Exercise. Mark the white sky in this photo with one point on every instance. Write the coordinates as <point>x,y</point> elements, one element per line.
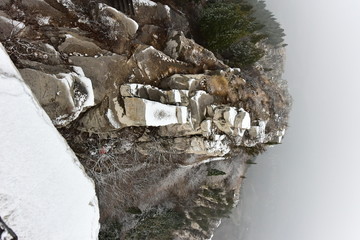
<point>309,187</point>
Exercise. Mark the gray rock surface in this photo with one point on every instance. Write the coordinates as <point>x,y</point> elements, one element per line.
<point>63,96</point>
<point>184,49</point>
<point>9,28</point>
<point>147,12</point>
<point>75,44</point>
<point>5,3</point>
<point>106,73</point>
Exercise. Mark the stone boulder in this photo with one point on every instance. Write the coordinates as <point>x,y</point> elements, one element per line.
<point>107,73</point>
<point>119,28</point>
<point>44,12</point>
<point>9,28</point>
<point>153,65</point>
<point>5,3</point>
<point>149,12</point>
<point>277,137</point>
<point>181,48</point>
<point>217,147</point>
<point>190,82</point>
<point>75,44</point>
<point>49,69</point>
<point>198,104</point>
<point>153,35</point>
<point>142,112</point>
<point>257,134</point>
<point>63,96</point>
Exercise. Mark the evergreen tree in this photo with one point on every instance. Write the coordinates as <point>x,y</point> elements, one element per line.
<point>230,30</point>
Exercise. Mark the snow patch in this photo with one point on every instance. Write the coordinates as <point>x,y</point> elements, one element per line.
<point>158,114</point>
<point>86,82</point>
<point>144,2</point>
<point>111,117</point>
<point>45,192</point>
<point>229,115</point>
<point>167,8</point>
<point>67,3</point>
<point>7,67</point>
<point>43,21</point>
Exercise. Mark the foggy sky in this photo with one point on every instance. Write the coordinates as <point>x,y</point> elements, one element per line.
<point>309,187</point>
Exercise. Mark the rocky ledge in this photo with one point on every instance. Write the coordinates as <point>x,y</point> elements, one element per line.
<point>164,127</point>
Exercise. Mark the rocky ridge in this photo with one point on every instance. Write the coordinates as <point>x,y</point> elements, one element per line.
<point>146,108</point>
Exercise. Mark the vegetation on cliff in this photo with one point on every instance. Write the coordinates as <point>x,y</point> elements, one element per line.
<point>233,29</point>
<point>229,29</point>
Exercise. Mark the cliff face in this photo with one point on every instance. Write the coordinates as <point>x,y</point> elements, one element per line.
<point>163,127</point>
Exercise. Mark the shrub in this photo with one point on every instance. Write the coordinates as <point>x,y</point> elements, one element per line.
<point>215,172</point>
<point>110,231</point>
<point>243,53</point>
<point>158,225</point>
<point>218,85</point>
<point>133,210</point>
<point>255,150</point>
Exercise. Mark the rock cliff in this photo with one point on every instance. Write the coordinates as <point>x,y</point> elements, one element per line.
<point>161,124</point>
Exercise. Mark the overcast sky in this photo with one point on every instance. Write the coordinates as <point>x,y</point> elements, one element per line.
<point>309,187</point>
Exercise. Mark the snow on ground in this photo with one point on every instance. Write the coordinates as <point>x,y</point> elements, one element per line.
<point>45,193</point>
<point>87,84</point>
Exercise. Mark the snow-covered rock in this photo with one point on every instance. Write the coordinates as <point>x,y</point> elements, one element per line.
<point>105,76</point>
<point>45,193</point>
<point>120,29</point>
<point>216,147</point>
<point>278,136</point>
<point>63,96</point>
<point>257,134</point>
<point>184,112</point>
<point>142,112</point>
<point>117,21</point>
<point>198,104</point>
<point>230,120</point>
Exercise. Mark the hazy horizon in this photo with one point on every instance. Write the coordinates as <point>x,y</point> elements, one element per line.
<point>307,188</point>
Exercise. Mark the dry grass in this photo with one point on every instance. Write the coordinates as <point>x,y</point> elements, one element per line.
<point>218,85</point>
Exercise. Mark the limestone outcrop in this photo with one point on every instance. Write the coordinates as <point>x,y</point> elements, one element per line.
<point>178,113</point>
